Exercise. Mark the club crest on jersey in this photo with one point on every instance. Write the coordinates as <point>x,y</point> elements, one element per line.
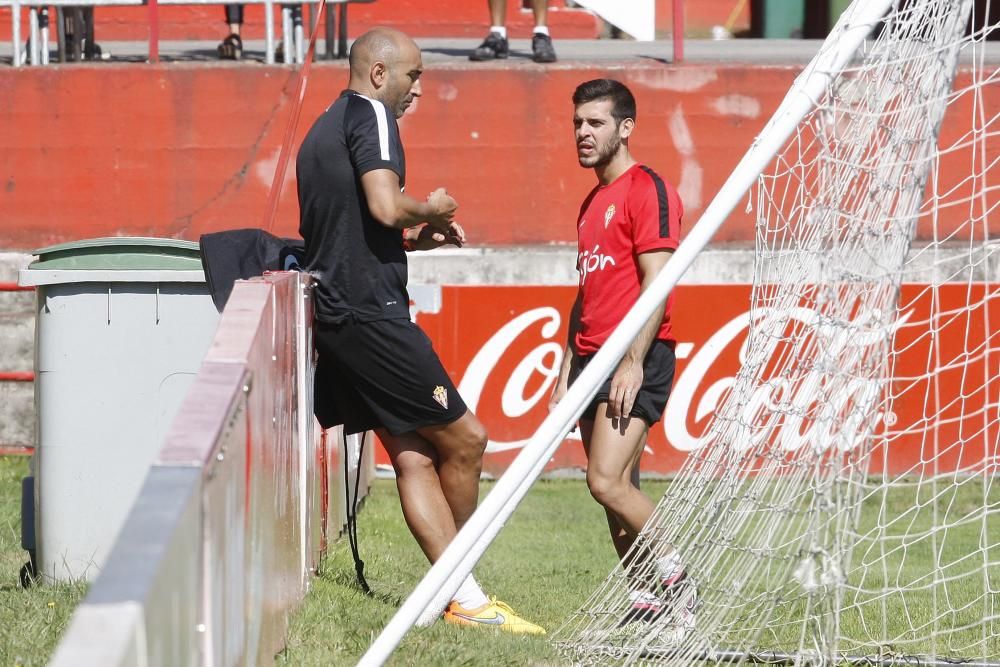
<point>441,396</point>
<point>610,213</point>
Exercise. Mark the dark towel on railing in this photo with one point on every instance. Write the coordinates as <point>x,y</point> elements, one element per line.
<point>238,254</point>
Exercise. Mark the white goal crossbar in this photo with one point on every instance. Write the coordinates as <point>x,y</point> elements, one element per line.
<point>443,579</point>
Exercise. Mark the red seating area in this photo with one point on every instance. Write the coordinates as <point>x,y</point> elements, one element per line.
<point>420,18</point>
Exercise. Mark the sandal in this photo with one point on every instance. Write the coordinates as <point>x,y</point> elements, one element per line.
<point>231,48</point>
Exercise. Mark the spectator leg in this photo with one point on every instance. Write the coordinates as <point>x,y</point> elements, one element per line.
<point>60,34</point>
<point>74,33</point>
<point>286,34</point>
<point>330,25</point>
<point>298,34</point>
<point>342,29</point>
<point>33,55</point>
<point>90,48</point>
<point>43,27</point>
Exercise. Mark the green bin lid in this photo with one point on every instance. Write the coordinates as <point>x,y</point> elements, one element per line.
<point>120,253</point>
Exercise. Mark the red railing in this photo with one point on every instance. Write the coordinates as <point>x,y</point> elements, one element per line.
<point>16,376</point>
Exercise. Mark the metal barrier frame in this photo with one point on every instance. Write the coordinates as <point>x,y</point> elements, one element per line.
<point>293,37</point>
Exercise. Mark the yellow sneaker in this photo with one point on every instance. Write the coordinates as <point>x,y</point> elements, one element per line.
<point>495,614</point>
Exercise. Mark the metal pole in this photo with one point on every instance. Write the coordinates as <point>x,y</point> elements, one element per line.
<point>286,34</point>
<point>269,32</point>
<point>43,25</point>
<point>33,56</point>
<point>298,34</point>
<point>154,31</point>
<point>15,31</point>
<point>678,28</point>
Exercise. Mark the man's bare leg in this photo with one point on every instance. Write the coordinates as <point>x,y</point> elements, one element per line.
<point>613,448</point>
<point>498,12</point>
<point>620,538</point>
<point>425,509</point>
<point>540,9</point>
<point>437,474</point>
<point>459,446</point>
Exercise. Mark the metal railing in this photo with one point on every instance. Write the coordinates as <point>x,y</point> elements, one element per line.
<point>293,31</point>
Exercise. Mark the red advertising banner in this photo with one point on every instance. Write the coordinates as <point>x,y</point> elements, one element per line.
<point>503,345</point>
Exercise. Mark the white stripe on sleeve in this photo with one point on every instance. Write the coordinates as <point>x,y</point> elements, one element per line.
<point>383,127</point>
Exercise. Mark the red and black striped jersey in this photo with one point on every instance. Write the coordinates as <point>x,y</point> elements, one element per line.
<point>638,212</point>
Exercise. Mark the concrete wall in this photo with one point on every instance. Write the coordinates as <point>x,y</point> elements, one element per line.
<point>17,345</point>
<point>534,265</point>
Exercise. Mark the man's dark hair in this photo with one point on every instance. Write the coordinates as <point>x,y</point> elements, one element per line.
<point>622,102</point>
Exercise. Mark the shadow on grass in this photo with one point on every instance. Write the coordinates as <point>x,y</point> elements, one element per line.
<point>346,579</point>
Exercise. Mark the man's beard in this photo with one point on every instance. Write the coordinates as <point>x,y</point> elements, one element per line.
<point>603,155</point>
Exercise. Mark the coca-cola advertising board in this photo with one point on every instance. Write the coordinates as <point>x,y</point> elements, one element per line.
<point>503,345</point>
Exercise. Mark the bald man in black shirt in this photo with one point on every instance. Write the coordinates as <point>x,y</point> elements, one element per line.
<point>358,223</point>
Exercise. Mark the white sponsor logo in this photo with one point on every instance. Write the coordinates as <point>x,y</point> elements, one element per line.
<point>839,406</point>
<point>834,409</point>
<point>544,359</point>
<point>591,261</point>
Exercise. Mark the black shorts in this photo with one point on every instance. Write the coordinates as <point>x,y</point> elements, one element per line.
<point>657,381</point>
<point>381,374</point>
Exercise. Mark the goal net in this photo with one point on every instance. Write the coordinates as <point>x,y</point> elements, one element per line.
<point>844,504</point>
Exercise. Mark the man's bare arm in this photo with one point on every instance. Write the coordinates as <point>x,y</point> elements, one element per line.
<point>569,356</point>
<point>426,237</point>
<point>397,210</point>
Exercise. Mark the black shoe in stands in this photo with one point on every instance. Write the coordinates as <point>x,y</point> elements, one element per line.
<point>541,49</point>
<point>493,47</point>
<point>231,48</point>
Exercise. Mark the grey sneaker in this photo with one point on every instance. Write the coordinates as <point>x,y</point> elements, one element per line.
<point>494,47</point>
<point>541,49</point>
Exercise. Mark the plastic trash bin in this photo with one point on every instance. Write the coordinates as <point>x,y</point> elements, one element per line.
<point>122,327</point>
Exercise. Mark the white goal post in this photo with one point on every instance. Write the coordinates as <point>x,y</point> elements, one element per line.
<point>438,586</point>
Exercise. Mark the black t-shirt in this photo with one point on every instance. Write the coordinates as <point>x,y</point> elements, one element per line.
<point>359,263</point>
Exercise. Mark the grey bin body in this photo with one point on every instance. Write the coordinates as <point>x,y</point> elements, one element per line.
<point>122,327</point>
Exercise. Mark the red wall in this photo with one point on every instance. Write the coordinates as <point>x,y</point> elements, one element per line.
<point>180,150</point>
